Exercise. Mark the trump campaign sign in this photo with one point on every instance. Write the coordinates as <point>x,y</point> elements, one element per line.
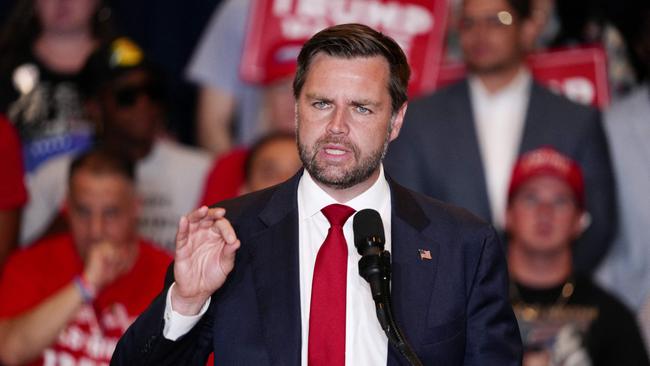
<point>278,28</point>
<point>580,74</point>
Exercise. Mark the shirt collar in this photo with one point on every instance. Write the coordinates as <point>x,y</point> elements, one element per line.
<point>518,86</point>
<point>312,198</point>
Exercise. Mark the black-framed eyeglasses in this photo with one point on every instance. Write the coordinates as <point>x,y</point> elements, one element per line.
<point>499,20</point>
<point>126,96</point>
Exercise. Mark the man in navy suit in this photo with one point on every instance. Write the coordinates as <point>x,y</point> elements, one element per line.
<point>459,144</point>
<point>243,273</point>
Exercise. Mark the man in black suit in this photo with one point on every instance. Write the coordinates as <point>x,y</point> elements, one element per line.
<point>247,279</point>
<point>460,143</point>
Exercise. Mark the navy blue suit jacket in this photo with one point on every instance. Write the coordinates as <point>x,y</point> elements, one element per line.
<point>453,309</point>
<point>438,154</point>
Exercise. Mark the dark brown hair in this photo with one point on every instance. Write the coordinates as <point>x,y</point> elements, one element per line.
<point>521,7</point>
<point>101,161</point>
<point>352,41</point>
<point>260,144</point>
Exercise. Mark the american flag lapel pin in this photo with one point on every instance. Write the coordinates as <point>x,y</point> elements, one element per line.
<point>425,254</point>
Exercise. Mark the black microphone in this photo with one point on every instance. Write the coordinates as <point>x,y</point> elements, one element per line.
<point>374,267</point>
<point>369,240</point>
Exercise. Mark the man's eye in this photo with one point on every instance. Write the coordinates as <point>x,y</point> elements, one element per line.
<point>363,110</point>
<point>562,202</point>
<point>530,199</point>
<point>81,211</point>
<point>320,104</point>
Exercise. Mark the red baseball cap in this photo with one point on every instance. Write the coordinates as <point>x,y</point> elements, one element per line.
<point>548,161</point>
<point>281,61</point>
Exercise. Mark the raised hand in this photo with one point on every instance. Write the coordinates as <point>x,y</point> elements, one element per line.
<point>205,254</point>
<point>106,261</point>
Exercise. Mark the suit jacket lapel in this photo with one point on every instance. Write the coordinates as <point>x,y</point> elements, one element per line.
<point>466,176</point>
<point>276,275</point>
<point>534,131</point>
<point>274,260</point>
<point>413,277</point>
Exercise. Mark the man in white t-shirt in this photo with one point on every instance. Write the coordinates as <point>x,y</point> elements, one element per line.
<point>127,103</point>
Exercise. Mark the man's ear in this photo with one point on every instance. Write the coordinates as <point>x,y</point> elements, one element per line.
<point>529,33</point>
<point>397,121</point>
<point>581,224</point>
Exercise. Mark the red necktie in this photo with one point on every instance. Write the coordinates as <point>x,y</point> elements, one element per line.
<point>327,311</point>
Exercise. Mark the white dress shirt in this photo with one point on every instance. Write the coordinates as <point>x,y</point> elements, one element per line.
<point>365,341</point>
<point>499,119</point>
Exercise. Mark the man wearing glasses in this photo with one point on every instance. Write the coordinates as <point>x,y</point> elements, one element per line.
<point>459,144</point>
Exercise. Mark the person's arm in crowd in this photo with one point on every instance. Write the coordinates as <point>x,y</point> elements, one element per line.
<point>214,67</point>
<point>594,158</point>
<point>23,338</point>
<point>9,230</point>
<point>215,111</point>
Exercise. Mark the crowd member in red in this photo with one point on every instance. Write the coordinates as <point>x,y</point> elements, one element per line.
<point>271,160</point>
<point>68,298</point>
<point>12,188</point>
<point>227,178</point>
<point>123,90</point>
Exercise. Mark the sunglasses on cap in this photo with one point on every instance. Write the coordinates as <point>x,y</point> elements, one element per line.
<point>127,96</point>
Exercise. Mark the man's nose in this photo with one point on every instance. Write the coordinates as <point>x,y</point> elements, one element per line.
<point>96,227</point>
<point>338,124</point>
<point>545,208</point>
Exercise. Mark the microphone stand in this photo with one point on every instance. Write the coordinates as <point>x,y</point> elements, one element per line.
<point>376,270</point>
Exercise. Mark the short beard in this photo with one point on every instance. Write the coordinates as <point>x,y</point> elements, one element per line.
<point>358,174</point>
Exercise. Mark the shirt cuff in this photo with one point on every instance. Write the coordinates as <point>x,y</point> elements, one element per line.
<point>177,325</point>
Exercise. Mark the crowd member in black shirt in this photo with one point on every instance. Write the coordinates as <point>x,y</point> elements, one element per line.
<point>564,319</point>
<point>44,45</point>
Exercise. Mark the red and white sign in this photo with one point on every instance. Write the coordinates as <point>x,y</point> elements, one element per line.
<point>278,28</point>
<point>580,74</point>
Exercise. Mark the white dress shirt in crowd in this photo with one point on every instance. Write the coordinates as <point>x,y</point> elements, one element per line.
<point>365,341</point>
<point>499,118</point>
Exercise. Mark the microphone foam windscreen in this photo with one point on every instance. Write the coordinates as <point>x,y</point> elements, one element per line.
<point>368,231</point>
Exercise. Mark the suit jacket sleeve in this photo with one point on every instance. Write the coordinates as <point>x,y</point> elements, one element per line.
<point>594,159</point>
<point>492,334</point>
<point>144,343</point>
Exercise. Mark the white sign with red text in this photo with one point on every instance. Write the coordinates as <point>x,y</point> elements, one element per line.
<point>278,28</point>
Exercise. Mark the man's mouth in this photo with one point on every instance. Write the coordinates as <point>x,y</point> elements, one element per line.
<point>335,151</point>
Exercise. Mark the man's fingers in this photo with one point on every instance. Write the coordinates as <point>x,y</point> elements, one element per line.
<point>228,256</point>
<point>182,233</point>
<point>216,213</point>
<point>210,216</point>
<point>223,227</point>
<point>197,215</point>
<point>230,249</point>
